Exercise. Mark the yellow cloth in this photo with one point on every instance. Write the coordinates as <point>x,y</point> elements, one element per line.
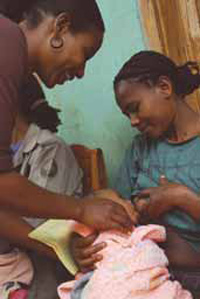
<point>56,234</point>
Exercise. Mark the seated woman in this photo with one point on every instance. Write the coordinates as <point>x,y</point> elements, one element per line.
<point>161,169</point>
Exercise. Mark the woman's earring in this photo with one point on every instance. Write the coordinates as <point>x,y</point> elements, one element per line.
<point>56,43</point>
<point>194,68</point>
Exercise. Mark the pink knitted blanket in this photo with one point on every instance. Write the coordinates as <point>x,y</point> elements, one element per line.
<point>129,266</point>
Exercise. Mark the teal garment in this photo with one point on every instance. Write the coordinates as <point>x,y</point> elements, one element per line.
<point>146,160</point>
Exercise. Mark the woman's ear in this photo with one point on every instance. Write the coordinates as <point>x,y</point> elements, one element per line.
<point>164,86</point>
<point>61,25</point>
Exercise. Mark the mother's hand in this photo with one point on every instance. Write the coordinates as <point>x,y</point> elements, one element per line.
<point>102,213</point>
<point>158,200</point>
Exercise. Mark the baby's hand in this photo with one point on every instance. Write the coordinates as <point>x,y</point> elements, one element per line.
<point>84,252</point>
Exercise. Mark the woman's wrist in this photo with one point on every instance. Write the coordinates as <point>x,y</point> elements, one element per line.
<point>78,210</point>
<point>189,201</point>
<point>70,209</point>
<point>181,198</point>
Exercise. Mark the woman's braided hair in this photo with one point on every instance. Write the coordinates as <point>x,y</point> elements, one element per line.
<point>148,66</point>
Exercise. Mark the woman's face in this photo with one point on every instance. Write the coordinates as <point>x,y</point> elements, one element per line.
<point>56,66</point>
<point>151,110</point>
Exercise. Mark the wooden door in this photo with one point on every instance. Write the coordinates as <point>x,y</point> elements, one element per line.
<point>173,28</point>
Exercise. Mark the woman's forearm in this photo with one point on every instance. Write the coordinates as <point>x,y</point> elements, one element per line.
<point>15,230</point>
<point>21,195</point>
<point>190,203</point>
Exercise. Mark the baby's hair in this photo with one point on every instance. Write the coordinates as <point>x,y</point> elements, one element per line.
<point>36,109</point>
<point>149,66</point>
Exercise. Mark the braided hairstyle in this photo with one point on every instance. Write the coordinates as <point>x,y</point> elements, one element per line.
<point>35,108</point>
<point>148,66</point>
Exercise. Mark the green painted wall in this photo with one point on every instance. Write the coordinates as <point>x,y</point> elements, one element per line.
<point>89,113</point>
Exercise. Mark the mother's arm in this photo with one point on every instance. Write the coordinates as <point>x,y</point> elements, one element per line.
<point>168,196</point>
<point>15,230</point>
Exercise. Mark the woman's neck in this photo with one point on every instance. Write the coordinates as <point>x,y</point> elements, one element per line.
<point>186,123</point>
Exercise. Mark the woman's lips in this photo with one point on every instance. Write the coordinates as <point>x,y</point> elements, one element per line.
<point>64,77</point>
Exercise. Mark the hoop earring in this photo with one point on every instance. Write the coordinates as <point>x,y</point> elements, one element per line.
<point>56,43</point>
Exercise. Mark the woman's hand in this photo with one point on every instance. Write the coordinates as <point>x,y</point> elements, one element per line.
<point>156,201</point>
<point>86,254</point>
<point>103,214</point>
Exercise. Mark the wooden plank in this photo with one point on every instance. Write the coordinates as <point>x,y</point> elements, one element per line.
<point>172,27</point>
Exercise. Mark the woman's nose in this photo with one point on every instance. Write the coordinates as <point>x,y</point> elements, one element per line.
<point>134,119</point>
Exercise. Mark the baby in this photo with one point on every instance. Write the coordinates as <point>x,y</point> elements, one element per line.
<point>133,266</point>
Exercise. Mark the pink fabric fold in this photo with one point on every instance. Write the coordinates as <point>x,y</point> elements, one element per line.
<point>129,266</point>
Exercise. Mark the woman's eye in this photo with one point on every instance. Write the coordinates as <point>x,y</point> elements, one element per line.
<point>132,110</point>
<point>132,114</point>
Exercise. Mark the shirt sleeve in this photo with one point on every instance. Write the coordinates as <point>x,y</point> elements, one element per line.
<point>13,61</point>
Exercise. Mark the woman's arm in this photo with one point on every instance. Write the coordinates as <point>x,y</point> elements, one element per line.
<point>189,202</point>
<point>168,196</point>
<point>16,231</point>
<point>22,196</point>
